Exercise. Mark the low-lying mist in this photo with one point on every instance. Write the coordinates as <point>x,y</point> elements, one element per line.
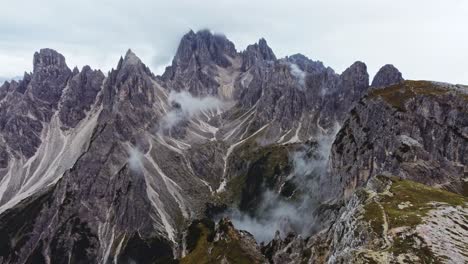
<point>298,73</point>
<point>295,213</point>
<point>186,106</point>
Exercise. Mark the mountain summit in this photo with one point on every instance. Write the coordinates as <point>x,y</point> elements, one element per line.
<point>317,166</point>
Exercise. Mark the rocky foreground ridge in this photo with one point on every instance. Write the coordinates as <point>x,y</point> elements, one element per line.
<point>129,167</point>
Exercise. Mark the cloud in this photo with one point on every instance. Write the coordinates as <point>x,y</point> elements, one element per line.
<point>135,159</point>
<point>185,106</point>
<point>275,213</point>
<point>298,73</point>
<point>426,39</point>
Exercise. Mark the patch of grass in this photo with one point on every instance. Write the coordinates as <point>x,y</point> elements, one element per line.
<point>366,258</point>
<point>397,95</point>
<point>256,166</point>
<point>374,216</point>
<point>207,251</point>
<point>407,244</point>
<point>198,239</point>
<point>415,200</point>
<point>264,167</point>
<point>422,199</point>
<point>306,254</point>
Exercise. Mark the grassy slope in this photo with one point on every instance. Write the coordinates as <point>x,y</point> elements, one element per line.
<point>207,251</point>
<point>404,206</point>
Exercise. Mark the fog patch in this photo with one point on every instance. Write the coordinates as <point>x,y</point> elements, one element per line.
<point>298,73</point>
<point>135,159</point>
<point>295,213</point>
<point>185,106</point>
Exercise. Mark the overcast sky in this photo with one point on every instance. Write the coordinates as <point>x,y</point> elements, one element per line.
<point>425,39</point>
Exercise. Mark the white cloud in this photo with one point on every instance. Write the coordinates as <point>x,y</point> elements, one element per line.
<point>426,39</point>
<point>298,73</point>
<point>187,106</point>
<point>274,213</point>
<point>135,159</point>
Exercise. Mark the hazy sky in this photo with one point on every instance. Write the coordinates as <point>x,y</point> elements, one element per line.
<point>425,39</point>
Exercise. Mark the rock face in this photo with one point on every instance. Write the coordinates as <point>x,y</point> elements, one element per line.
<point>80,96</point>
<point>126,167</point>
<point>221,244</point>
<point>50,76</point>
<point>195,63</point>
<point>257,53</point>
<point>32,101</point>
<point>388,221</point>
<point>415,130</point>
<point>386,76</point>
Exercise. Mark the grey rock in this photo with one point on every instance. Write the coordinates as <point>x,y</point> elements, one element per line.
<point>194,64</point>
<point>32,101</point>
<point>257,53</point>
<point>386,76</point>
<point>122,189</point>
<point>306,64</point>
<point>50,76</point>
<point>82,91</point>
<point>413,131</point>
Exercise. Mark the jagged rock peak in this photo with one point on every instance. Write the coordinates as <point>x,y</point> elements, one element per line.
<point>23,83</point>
<point>206,47</point>
<point>357,71</point>
<point>257,52</point>
<point>48,58</point>
<point>357,66</point>
<point>76,70</point>
<point>264,50</point>
<point>131,58</point>
<point>306,64</point>
<point>131,64</point>
<point>386,76</point>
<point>49,78</point>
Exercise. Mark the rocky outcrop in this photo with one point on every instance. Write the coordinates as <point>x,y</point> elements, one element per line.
<point>301,100</point>
<point>221,244</point>
<point>104,206</point>
<point>386,76</point>
<point>32,101</point>
<point>195,63</point>
<point>257,53</point>
<point>50,76</point>
<point>80,95</point>
<point>415,130</point>
<point>390,220</point>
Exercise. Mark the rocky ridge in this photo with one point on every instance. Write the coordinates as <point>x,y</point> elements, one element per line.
<point>122,167</point>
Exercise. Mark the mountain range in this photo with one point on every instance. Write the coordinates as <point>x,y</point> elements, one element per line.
<point>231,157</point>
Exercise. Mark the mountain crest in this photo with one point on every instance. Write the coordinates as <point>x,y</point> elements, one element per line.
<point>357,74</point>
<point>386,76</point>
<point>48,58</point>
<point>257,52</point>
<point>131,168</point>
<point>205,47</point>
<point>131,58</point>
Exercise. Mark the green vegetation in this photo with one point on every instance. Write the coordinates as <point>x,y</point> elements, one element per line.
<point>397,95</point>
<point>410,202</point>
<point>263,166</point>
<point>153,249</point>
<point>422,199</point>
<point>206,251</point>
<point>405,244</point>
<point>374,215</point>
<point>405,206</point>
<point>258,166</point>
